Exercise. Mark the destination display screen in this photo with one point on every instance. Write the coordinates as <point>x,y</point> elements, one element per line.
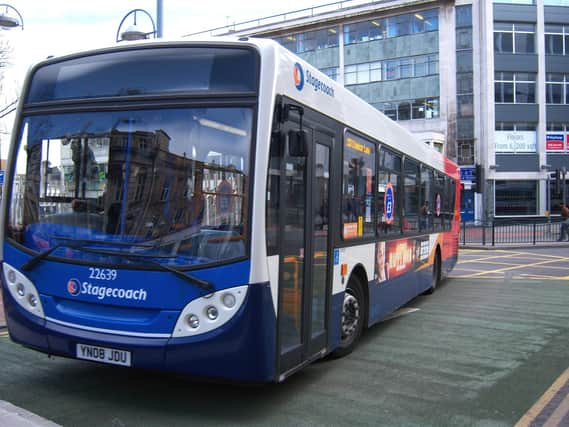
<point>147,70</point>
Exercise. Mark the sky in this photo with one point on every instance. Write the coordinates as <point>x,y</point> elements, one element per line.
<point>53,27</point>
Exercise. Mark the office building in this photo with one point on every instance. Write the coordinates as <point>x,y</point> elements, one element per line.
<point>486,82</point>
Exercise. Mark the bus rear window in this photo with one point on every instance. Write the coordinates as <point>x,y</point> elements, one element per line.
<point>147,71</point>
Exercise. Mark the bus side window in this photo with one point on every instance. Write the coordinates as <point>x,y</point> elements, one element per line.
<point>389,196</point>
<point>358,182</point>
<point>412,207</point>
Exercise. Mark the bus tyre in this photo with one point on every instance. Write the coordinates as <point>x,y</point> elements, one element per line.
<point>436,276</point>
<point>353,310</point>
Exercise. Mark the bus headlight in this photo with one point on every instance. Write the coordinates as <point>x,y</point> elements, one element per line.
<point>228,300</point>
<point>209,312</point>
<point>212,312</point>
<point>193,321</point>
<point>23,290</point>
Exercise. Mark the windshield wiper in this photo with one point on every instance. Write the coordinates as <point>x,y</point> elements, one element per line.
<point>32,262</point>
<point>203,284</point>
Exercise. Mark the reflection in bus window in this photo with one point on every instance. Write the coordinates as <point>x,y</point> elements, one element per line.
<point>358,206</point>
<point>173,180</point>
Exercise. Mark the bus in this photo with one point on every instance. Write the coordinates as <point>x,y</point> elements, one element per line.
<point>216,208</point>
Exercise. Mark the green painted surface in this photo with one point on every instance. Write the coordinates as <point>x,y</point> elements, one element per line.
<point>478,353</point>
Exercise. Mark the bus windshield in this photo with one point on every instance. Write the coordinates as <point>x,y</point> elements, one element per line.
<point>134,187</point>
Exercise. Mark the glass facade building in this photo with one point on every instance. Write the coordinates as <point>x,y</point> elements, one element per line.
<point>487,82</point>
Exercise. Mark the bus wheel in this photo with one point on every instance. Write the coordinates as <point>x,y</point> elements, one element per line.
<point>436,276</point>
<point>353,310</point>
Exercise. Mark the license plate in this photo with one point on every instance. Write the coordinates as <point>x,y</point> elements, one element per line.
<point>103,354</point>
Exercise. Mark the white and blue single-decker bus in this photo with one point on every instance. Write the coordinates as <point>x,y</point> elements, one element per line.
<point>220,209</point>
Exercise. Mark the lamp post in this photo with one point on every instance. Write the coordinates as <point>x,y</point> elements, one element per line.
<point>7,21</point>
<point>547,192</point>
<point>134,32</point>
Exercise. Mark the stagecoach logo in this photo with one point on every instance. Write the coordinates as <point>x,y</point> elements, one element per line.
<point>73,287</point>
<point>311,80</point>
<point>298,76</point>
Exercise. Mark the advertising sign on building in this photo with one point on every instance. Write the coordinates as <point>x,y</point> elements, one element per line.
<point>556,141</point>
<point>516,141</point>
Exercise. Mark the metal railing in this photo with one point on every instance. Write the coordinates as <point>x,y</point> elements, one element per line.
<point>283,17</point>
<point>499,233</point>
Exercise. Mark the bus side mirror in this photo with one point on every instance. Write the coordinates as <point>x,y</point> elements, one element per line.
<point>297,143</point>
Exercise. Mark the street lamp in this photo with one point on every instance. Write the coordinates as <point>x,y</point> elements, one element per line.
<point>134,32</point>
<point>7,21</point>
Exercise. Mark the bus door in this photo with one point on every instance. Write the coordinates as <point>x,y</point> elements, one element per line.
<point>304,262</point>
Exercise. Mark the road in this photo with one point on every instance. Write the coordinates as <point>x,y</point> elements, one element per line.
<point>479,352</point>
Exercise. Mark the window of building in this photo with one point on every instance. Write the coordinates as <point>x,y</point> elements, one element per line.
<point>515,126</point>
<point>421,66</point>
<point>465,152</point>
<point>464,83</point>
<point>465,105</point>
<point>409,67</point>
<point>358,206</point>
<point>557,127</point>
<point>418,109</point>
<point>557,39</point>
<point>391,69</point>
<point>464,38</point>
<point>515,198</point>
<point>399,25</point>
<point>514,88</point>
<point>557,88</point>
<point>514,37</point>
<point>463,16</point>
<point>331,72</point>
<point>422,108</point>
<point>362,73</point>
<point>432,109</point>
<point>556,2</point>
<point>310,40</point>
<point>393,26</point>
<point>404,110</point>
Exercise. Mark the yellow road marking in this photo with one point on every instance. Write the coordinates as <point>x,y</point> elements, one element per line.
<point>486,258</point>
<point>544,255</point>
<point>538,277</point>
<point>502,263</point>
<point>544,400</point>
<point>501,270</point>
